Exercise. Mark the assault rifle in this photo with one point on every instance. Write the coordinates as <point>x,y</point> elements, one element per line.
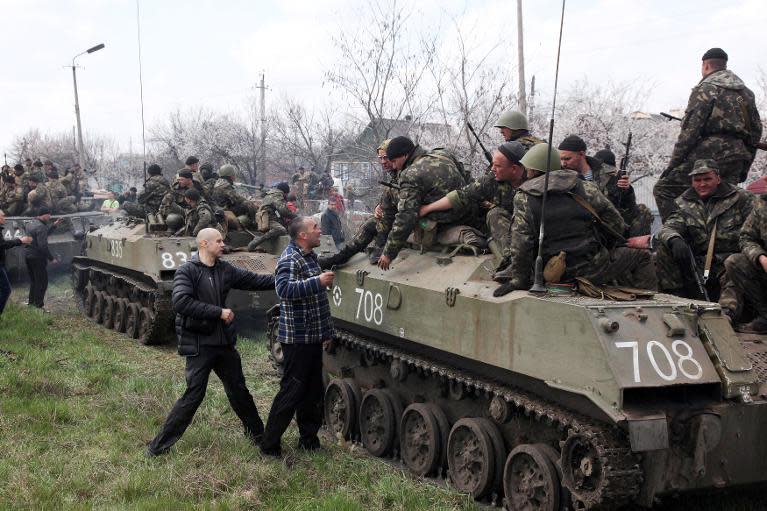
<point>701,287</point>
<point>623,167</point>
<point>759,145</point>
<point>389,185</point>
<point>488,156</point>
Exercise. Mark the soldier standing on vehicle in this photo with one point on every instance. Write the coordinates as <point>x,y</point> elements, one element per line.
<point>721,123</point>
<point>273,215</point>
<point>495,192</point>
<point>748,270</point>
<point>699,235</point>
<point>514,127</point>
<point>570,228</point>
<point>424,177</point>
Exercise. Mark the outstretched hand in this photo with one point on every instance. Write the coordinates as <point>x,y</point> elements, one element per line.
<point>384,262</point>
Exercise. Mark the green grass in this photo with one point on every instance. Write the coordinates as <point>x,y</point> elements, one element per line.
<point>78,405</point>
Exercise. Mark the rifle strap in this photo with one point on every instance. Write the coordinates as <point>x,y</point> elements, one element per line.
<point>710,253</point>
<point>585,205</point>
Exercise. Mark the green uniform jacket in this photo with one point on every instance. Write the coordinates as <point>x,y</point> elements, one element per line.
<point>225,196</point>
<point>721,122</point>
<point>154,190</point>
<point>694,219</point>
<point>425,178</point>
<point>199,218</point>
<point>275,203</point>
<point>174,196</point>
<point>485,188</point>
<point>525,228</point>
<point>753,235</point>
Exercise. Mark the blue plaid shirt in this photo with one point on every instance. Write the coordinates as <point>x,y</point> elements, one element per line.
<point>304,307</point>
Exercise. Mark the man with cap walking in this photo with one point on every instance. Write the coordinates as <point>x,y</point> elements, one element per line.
<point>423,178</point>
<point>514,127</point>
<point>37,255</point>
<point>495,192</point>
<point>701,233</point>
<point>616,187</point>
<point>721,123</point>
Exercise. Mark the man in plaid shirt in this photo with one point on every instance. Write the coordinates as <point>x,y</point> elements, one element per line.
<point>305,328</point>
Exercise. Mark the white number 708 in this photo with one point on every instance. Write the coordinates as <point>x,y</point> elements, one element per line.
<point>684,359</point>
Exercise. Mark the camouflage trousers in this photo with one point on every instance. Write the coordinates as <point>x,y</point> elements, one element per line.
<point>749,285</point>
<point>675,181</point>
<point>629,267</point>
<point>498,221</point>
<point>675,280</point>
<point>639,222</point>
<point>134,209</point>
<point>276,230</point>
<point>64,206</point>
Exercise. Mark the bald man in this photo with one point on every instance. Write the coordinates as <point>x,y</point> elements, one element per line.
<point>206,337</point>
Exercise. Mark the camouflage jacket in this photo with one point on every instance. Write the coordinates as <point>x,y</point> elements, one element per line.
<point>277,206</point>
<point>606,178</point>
<point>753,234</point>
<point>388,202</point>
<point>527,139</point>
<point>224,195</point>
<point>485,188</point>
<point>208,187</point>
<point>12,200</point>
<point>154,190</point>
<point>173,196</point>
<point>75,183</point>
<point>425,178</point>
<point>721,122</point>
<point>525,226</point>
<point>199,218</point>
<point>58,190</point>
<point>40,197</point>
<point>693,221</point>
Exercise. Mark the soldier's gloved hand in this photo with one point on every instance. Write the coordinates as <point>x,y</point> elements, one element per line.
<point>680,251</point>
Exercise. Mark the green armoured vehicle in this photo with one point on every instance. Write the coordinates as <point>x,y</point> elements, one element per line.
<point>542,402</point>
<point>65,239</point>
<point>124,278</point>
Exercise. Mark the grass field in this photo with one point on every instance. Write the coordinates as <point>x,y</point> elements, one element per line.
<point>79,403</point>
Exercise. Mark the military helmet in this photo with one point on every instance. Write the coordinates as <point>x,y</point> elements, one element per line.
<point>227,170</point>
<point>174,221</point>
<point>535,158</point>
<point>512,119</point>
<point>244,221</point>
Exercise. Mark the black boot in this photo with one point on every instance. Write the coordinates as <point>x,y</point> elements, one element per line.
<point>375,255</point>
<point>341,257</point>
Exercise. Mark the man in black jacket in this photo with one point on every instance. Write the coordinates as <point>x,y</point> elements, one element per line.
<point>206,337</point>
<point>37,255</point>
<point>5,244</point>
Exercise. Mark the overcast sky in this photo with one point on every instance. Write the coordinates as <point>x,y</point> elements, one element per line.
<point>211,53</point>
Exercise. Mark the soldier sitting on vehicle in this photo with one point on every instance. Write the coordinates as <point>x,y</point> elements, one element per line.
<point>273,216</point>
<point>63,203</point>
<point>209,179</point>
<point>241,213</point>
<point>199,215</point>
<point>513,126</point>
<point>173,200</point>
<point>747,270</point>
<point>38,195</point>
<point>151,196</point>
<point>11,197</point>
<point>494,192</point>
<point>579,222</point>
<point>699,235</point>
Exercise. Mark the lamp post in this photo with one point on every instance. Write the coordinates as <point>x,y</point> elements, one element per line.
<point>80,152</point>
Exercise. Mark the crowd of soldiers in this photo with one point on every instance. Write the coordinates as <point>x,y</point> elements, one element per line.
<point>28,186</point>
<point>712,245</point>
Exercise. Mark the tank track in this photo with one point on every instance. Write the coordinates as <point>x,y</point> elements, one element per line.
<point>621,475</point>
<point>159,330</point>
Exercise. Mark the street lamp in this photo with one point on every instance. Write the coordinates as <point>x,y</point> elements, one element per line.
<point>81,154</point>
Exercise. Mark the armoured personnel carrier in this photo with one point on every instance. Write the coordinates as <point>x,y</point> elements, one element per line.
<point>65,239</point>
<point>542,402</point>
<point>124,278</point>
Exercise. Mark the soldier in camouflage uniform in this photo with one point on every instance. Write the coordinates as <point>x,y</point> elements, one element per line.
<point>275,206</point>
<point>376,227</point>
<point>495,192</point>
<point>513,126</point>
<point>63,203</point>
<point>226,197</point>
<point>149,199</point>
<point>721,123</point>
<point>209,180</point>
<point>199,214</point>
<point>570,228</point>
<point>173,201</point>
<point>616,187</point>
<point>424,177</point>
<point>11,197</point>
<point>747,270</point>
<point>76,183</point>
<point>709,202</point>
<point>38,195</point>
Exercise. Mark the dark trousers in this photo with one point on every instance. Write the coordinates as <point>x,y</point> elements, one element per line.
<point>37,269</point>
<point>225,362</point>
<point>300,394</point>
<point>5,289</point>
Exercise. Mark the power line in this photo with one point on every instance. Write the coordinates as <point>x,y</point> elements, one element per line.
<point>141,85</point>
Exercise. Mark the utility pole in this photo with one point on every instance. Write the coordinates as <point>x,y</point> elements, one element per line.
<point>521,60</point>
<point>262,162</point>
<point>80,150</point>
<point>532,98</point>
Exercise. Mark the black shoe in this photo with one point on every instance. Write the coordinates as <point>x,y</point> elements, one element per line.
<point>757,326</point>
<point>325,262</point>
<point>149,453</point>
<point>310,445</point>
<point>503,289</point>
<point>503,275</point>
<point>375,255</point>
<point>275,452</point>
